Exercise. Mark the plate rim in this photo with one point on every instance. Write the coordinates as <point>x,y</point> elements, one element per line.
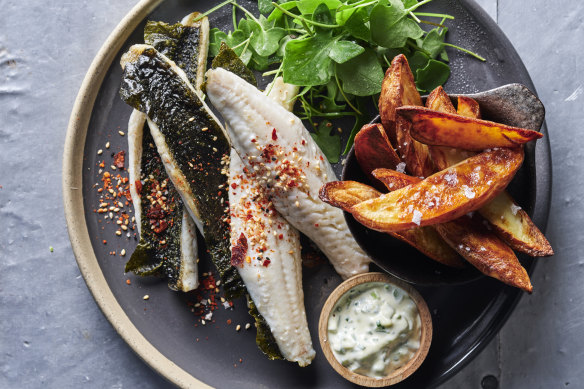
<point>77,228</point>
<point>73,202</point>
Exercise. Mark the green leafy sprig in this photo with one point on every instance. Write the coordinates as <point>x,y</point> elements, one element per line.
<point>338,52</point>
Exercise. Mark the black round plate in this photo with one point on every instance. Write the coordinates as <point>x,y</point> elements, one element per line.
<point>465,317</point>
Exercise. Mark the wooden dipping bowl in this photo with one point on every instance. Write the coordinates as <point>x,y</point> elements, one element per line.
<point>397,375</point>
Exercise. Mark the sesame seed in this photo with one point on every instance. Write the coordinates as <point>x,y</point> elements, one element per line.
<point>146,297</point>
<point>107,145</point>
<point>191,119</point>
<point>113,167</point>
<point>297,204</point>
<point>247,326</point>
<point>99,152</point>
<point>125,228</point>
<point>118,232</point>
<point>237,328</point>
<point>121,133</point>
<point>123,252</point>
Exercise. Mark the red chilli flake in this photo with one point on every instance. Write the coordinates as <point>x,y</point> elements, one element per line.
<point>239,251</point>
<point>138,185</point>
<point>274,135</point>
<point>119,159</point>
<point>266,263</point>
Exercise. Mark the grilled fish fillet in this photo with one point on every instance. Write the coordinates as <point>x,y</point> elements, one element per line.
<point>275,145</point>
<point>185,278</point>
<point>266,252</point>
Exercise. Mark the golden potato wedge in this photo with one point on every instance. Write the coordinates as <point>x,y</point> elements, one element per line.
<point>471,239</point>
<point>345,194</point>
<point>445,129</point>
<point>373,149</point>
<point>514,226</point>
<point>439,101</point>
<point>399,89</point>
<point>443,196</point>
<point>510,223</point>
<point>394,180</point>
<point>467,107</point>
<point>485,251</point>
<point>444,157</point>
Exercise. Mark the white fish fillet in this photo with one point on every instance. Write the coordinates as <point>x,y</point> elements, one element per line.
<point>271,267</point>
<point>189,276</point>
<point>274,144</point>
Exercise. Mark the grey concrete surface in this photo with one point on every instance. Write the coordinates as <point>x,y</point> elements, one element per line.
<point>52,333</point>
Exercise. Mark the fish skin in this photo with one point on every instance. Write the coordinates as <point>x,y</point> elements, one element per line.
<point>254,120</point>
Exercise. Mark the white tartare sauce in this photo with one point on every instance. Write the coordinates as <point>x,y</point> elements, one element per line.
<point>374,329</point>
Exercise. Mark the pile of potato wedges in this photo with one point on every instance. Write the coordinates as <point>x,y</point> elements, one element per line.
<point>451,205</point>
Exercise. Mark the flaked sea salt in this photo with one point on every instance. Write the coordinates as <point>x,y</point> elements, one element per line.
<point>417,218</point>
<point>401,167</point>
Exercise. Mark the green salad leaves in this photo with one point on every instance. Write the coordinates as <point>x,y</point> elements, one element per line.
<point>338,51</point>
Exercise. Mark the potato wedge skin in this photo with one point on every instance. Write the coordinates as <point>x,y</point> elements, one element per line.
<point>394,180</point>
<point>468,107</point>
<point>486,252</point>
<point>345,194</point>
<point>438,100</point>
<point>452,130</point>
<point>444,157</point>
<point>398,89</point>
<point>514,226</point>
<point>427,241</point>
<point>443,196</point>
<point>511,224</point>
<point>373,149</point>
<point>472,240</point>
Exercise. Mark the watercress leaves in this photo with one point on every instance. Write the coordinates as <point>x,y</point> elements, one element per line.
<point>362,75</point>
<point>342,51</point>
<point>265,39</point>
<point>330,144</point>
<point>434,74</point>
<point>390,26</point>
<point>307,61</point>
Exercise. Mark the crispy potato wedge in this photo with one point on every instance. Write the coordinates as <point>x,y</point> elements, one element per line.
<point>452,130</point>
<point>490,255</point>
<point>510,223</point>
<point>439,101</point>
<point>443,196</point>
<point>373,149</point>
<point>345,194</point>
<point>468,107</point>
<point>394,180</point>
<point>444,157</point>
<point>514,226</point>
<point>399,89</point>
<point>472,240</point>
